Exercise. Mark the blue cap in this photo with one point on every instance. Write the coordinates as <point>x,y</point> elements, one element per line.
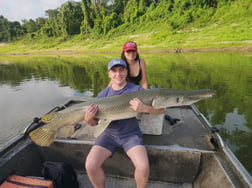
<point>115,62</point>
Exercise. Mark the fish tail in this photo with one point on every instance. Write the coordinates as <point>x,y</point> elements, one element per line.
<point>43,136</point>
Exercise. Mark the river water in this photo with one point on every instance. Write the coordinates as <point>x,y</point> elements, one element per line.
<point>32,85</point>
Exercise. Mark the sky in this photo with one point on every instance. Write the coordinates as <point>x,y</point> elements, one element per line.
<point>17,10</point>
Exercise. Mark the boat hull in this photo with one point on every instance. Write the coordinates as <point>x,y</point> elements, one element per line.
<point>187,154</point>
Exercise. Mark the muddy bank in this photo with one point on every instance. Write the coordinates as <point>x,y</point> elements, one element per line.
<point>176,50</point>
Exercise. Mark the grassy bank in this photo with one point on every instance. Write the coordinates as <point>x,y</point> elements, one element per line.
<point>215,37</point>
<point>186,41</point>
<point>228,27</point>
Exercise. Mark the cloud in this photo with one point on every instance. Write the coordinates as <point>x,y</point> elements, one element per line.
<point>17,10</point>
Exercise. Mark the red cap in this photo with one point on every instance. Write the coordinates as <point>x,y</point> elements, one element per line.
<point>130,45</point>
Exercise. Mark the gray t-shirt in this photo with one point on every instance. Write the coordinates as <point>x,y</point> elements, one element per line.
<point>125,126</point>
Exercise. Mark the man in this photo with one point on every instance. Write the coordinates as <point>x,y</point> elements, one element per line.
<point>121,133</point>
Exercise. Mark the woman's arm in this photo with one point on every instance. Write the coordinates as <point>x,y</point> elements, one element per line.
<point>144,81</point>
<point>139,106</point>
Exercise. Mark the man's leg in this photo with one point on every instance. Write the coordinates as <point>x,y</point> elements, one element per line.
<point>94,161</point>
<point>139,157</point>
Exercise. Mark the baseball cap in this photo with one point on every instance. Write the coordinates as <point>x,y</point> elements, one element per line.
<point>115,62</point>
<point>130,45</point>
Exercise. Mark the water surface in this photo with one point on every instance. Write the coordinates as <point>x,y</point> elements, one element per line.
<point>32,85</point>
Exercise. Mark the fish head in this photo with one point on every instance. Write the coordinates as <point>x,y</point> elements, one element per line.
<point>197,95</point>
<point>172,98</point>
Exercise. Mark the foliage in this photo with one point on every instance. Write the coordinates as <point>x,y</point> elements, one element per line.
<point>71,16</point>
<point>168,22</point>
<point>9,30</point>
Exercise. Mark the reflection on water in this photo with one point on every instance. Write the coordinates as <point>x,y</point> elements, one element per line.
<point>233,122</point>
<point>32,85</point>
<point>20,104</point>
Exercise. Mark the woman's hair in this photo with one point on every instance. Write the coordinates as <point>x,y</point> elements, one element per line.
<point>124,58</point>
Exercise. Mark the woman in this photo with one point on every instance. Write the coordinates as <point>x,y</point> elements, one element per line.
<point>137,70</point>
<point>136,66</point>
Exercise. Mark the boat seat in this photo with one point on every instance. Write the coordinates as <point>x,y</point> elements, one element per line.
<point>167,163</point>
<point>213,173</point>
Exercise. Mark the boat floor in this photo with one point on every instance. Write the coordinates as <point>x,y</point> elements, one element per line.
<point>123,182</point>
<point>188,132</point>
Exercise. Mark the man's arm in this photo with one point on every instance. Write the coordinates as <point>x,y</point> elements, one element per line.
<point>139,106</point>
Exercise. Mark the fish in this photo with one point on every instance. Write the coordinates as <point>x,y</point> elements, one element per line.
<point>113,108</point>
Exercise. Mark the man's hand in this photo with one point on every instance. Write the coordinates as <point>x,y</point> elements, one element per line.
<point>89,116</point>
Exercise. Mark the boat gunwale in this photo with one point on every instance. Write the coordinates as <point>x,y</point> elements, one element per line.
<point>233,160</point>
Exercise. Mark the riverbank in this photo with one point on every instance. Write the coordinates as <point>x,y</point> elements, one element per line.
<point>173,27</point>
<point>17,49</point>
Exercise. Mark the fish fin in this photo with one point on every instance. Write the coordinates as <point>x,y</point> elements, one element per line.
<point>49,117</point>
<point>82,99</point>
<point>101,127</point>
<point>65,131</point>
<point>43,136</point>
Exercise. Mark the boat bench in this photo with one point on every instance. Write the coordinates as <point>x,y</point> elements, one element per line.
<point>166,163</point>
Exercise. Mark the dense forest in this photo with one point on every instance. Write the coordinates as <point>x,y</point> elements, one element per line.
<point>105,18</point>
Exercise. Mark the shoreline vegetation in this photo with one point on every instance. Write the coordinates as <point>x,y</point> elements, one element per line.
<point>164,26</point>
<point>72,51</point>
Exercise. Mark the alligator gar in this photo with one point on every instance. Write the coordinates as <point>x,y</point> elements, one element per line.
<point>114,108</point>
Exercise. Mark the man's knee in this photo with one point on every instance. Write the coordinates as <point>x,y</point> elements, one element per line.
<point>143,168</point>
<point>90,167</point>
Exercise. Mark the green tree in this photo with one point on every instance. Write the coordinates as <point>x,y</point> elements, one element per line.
<point>117,6</point>
<point>99,14</point>
<point>53,26</point>
<point>29,26</point>
<point>71,17</point>
<point>4,31</point>
<point>15,30</point>
<point>87,21</point>
<point>40,22</point>
<point>9,30</point>
<point>109,22</point>
<point>130,11</point>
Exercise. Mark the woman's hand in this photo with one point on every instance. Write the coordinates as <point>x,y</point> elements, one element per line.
<point>138,106</point>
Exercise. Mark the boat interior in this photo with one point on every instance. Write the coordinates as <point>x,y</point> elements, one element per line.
<point>187,154</point>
